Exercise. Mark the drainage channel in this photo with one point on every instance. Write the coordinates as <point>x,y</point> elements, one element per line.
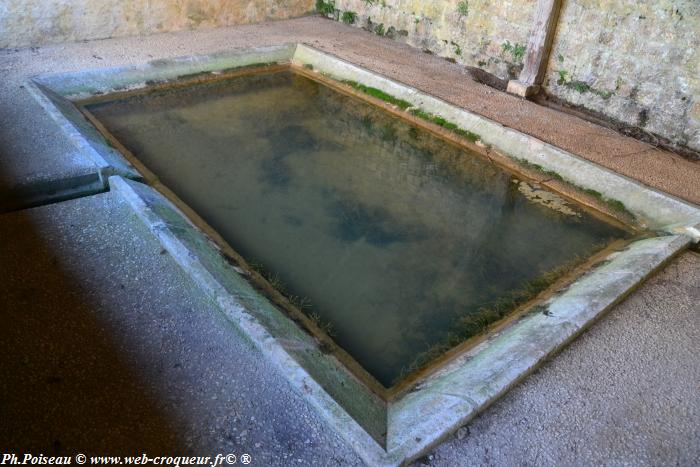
<point>53,191</point>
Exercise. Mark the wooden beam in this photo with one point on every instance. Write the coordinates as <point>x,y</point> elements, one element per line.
<point>538,47</point>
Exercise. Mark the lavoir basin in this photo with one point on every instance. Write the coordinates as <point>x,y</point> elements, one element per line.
<point>396,242</point>
<point>402,261</point>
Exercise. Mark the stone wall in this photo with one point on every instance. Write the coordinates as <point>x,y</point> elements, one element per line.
<point>481,33</point>
<point>35,22</point>
<point>634,62</point>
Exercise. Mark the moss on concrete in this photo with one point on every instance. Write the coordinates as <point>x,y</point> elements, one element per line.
<point>613,204</point>
<point>420,113</point>
<point>379,94</point>
<point>446,124</point>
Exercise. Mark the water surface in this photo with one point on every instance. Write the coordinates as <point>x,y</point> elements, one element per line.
<point>390,234</point>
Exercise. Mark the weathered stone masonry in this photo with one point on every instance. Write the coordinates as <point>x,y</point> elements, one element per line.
<point>637,63</point>
<point>488,35</point>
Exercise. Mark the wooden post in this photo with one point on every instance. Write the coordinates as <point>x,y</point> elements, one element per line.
<point>538,47</point>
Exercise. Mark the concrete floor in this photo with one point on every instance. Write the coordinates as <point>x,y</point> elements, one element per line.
<point>107,347</point>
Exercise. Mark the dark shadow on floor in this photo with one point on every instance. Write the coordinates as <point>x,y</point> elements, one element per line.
<point>64,386</point>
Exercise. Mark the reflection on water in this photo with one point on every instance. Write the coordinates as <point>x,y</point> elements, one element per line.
<point>391,234</point>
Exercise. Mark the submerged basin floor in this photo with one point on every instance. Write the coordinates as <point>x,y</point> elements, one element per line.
<point>393,239</point>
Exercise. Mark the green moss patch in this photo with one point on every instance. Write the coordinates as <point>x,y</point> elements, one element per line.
<point>348,17</point>
<point>446,124</point>
<point>325,8</point>
<point>379,94</point>
<point>420,113</point>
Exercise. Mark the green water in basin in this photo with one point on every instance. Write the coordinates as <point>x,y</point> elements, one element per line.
<point>399,243</point>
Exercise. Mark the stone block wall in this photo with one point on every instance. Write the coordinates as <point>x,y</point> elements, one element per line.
<point>637,62</point>
<point>480,33</point>
<point>26,23</point>
<point>634,62</point>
